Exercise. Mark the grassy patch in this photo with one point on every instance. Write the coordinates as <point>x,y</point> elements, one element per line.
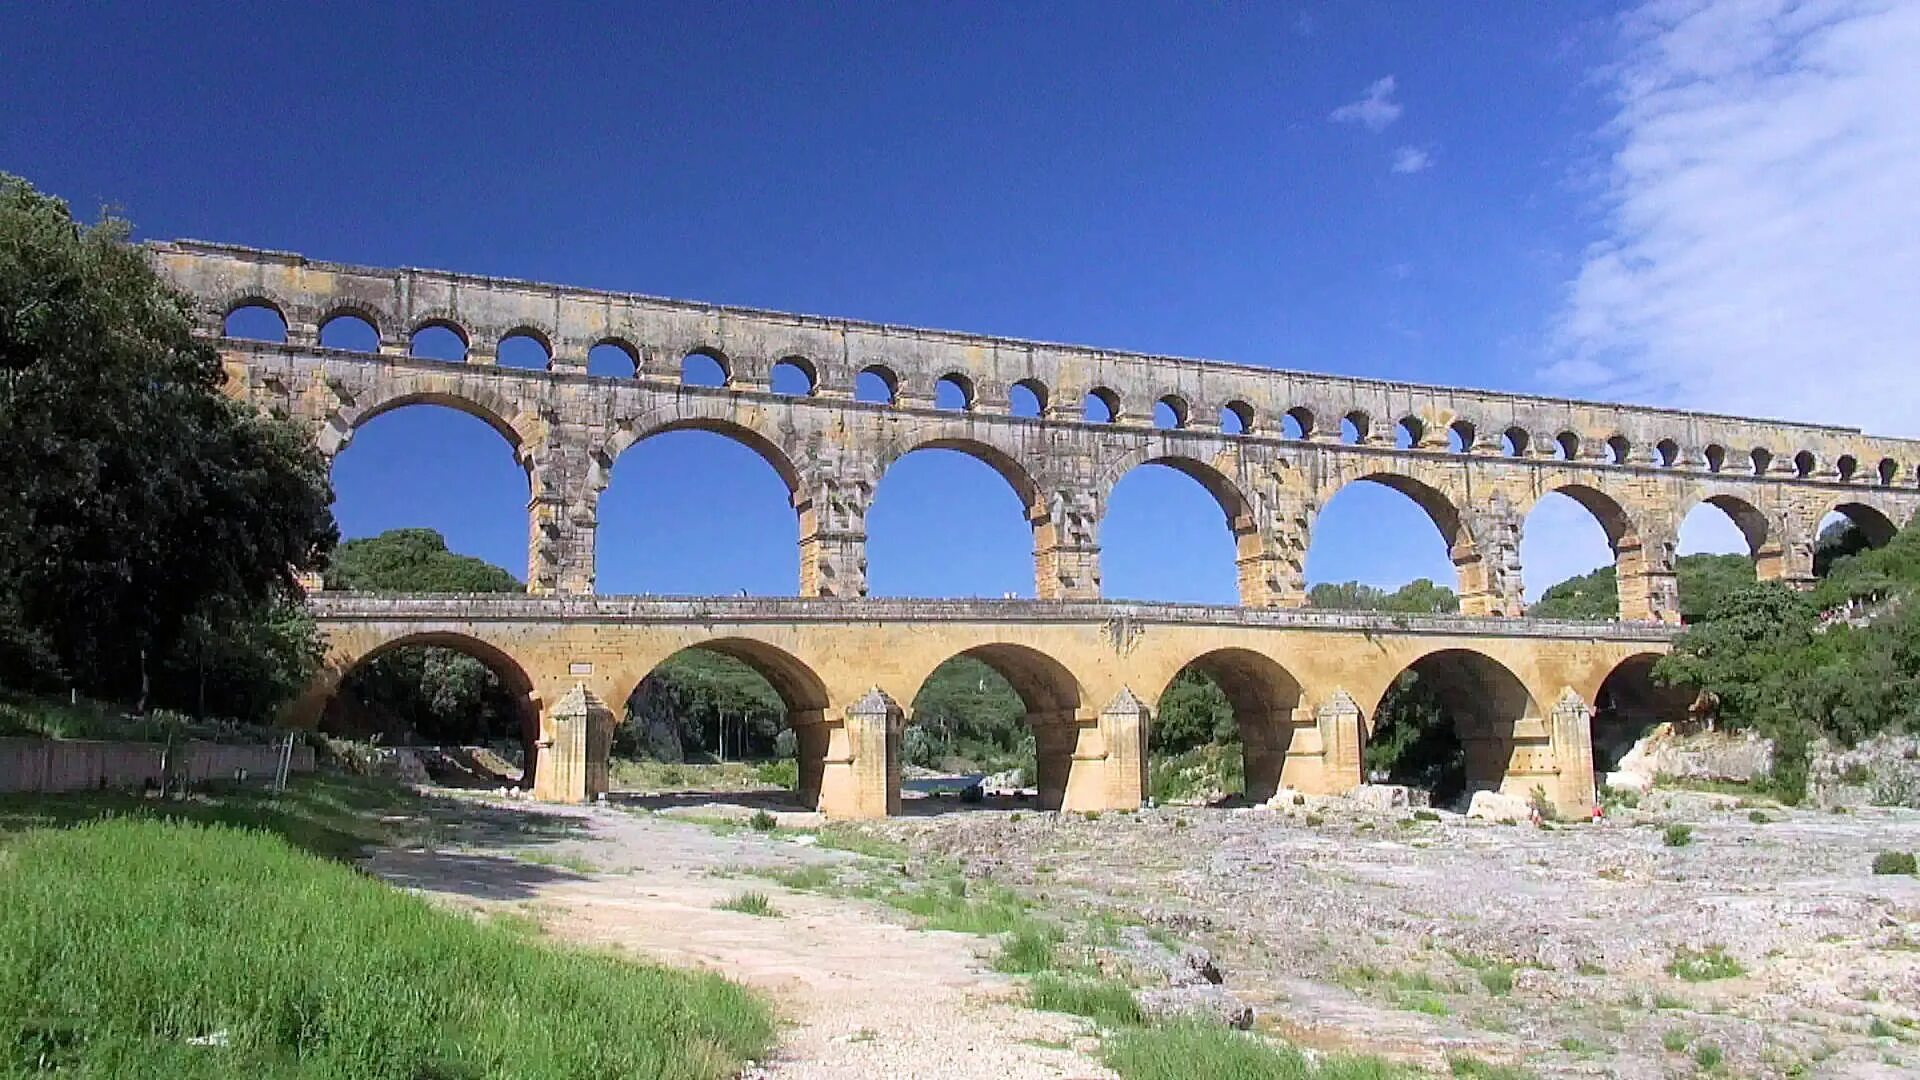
<point>1677,835</point>
<point>955,904</point>
<point>812,878</point>
<point>750,903</point>
<point>1675,1040</point>
<point>1104,1001</point>
<point>761,821</point>
<point>1707,1056</point>
<point>1183,1051</point>
<point>850,838</point>
<point>1028,950</point>
<point>565,862</point>
<point>122,942</point>
<point>1216,768</point>
<point>1704,965</point>
<point>1466,1065</point>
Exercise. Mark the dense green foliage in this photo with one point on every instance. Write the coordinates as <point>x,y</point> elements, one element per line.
<point>151,529</point>
<point>1594,597</point>
<point>684,701</point>
<point>424,693</point>
<point>146,948</point>
<point>965,716</point>
<point>413,560</point>
<point>1178,1051</point>
<point>1776,663</point>
<point>1418,597</point>
<point>1192,712</point>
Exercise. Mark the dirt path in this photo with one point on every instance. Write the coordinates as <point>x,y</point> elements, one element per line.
<point>865,995</point>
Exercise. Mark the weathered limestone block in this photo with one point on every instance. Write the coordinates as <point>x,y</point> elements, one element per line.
<point>860,773</point>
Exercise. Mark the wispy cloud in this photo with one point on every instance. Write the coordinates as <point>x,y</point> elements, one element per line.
<point>1761,249</point>
<point>1375,110</point>
<point>1411,159</point>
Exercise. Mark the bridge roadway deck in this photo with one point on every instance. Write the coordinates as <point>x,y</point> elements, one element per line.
<point>1304,684</point>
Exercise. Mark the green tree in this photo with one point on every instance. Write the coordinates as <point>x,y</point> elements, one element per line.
<point>1595,597</point>
<point>1193,712</point>
<point>141,510</point>
<point>413,560</point>
<point>1418,597</point>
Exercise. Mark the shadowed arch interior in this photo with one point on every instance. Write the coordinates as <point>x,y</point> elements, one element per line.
<point>1264,697</point>
<point>1457,698</point>
<point>341,712</point>
<point>1629,704</point>
<point>1052,699</point>
<point>1875,526</point>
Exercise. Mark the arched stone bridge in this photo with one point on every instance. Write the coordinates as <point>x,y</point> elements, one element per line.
<point>1304,685</point>
<point>1271,446</point>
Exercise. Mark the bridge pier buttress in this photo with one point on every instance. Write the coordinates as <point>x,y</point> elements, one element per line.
<point>860,761</point>
<point>1066,546</point>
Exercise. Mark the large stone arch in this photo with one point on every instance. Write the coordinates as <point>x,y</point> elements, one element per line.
<point>1642,553</point>
<point>348,653</point>
<point>1055,710</point>
<point>1877,523</point>
<point>1482,539</point>
<point>799,686</point>
<point>1765,533</point>
<point>1266,700</point>
<point>498,412</point>
<point>1627,702</point>
<point>1495,718</point>
<point>1255,560</point>
<point>1005,456</point>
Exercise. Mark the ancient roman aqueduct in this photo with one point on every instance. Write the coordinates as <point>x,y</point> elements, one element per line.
<point>1271,447</point>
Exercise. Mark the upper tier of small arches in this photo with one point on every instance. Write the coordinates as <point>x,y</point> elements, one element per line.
<point>464,318</point>
<point>438,337</point>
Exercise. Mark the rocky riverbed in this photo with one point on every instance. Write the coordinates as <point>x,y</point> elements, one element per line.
<point>1696,932</point>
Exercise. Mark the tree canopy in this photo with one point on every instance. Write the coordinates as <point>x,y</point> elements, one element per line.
<point>1417,597</point>
<point>149,525</point>
<point>413,560</point>
<point>1595,597</point>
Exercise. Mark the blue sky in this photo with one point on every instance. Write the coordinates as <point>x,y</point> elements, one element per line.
<point>1444,193</point>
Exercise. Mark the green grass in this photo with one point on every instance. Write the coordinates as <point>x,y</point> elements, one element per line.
<point>1028,950</point>
<point>1707,1056</point>
<point>750,903</point>
<point>1187,1050</point>
<point>1104,1001</point>
<point>1675,1040</point>
<point>121,941</point>
<point>565,862</point>
<point>850,838</point>
<point>761,821</point>
<point>812,878</point>
<point>955,904</point>
<point>1677,835</point>
<point>1704,965</point>
<point>1466,1065</point>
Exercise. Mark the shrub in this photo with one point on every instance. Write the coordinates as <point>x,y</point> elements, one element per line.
<point>1704,965</point>
<point>1894,862</point>
<point>1758,817</point>
<point>762,821</point>
<point>1677,835</point>
<point>1178,1051</point>
<point>1707,1056</point>
<point>749,903</point>
<point>784,773</point>
<point>312,969</point>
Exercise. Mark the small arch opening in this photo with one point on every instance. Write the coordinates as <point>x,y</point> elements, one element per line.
<point>704,368</point>
<point>255,321</point>
<point>613,360</point>
<point>1804,463</point>
<point>1408,432</point>
<point>1354,428</point>
<point>350,332</point>
<point>1102,406</point>
<point>793,377</point>
<point>1028,397</point>
<point>1566,446</point>
<point>1618,449</point>
<point>438,341</point>
<point>1460,436</point>
<point>1170,412</point>
<point>1668,453</point>
<point>1513,442</point>
<point>1716,456</point>
<point>1297,423</point>
<point>1762,460</point>
<point>876,385</point>
<point>953,391</point>
<point>1846,466</point>
<point>1236,418</point>
<point>1889,471</point>
<point>524,349</point>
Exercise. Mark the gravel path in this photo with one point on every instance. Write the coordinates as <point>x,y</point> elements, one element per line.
<point>864,995</point>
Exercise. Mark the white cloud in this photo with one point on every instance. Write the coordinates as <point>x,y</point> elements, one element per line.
<point>1761,249</point>
<point>1411,159</point>
<point>1375,110</point>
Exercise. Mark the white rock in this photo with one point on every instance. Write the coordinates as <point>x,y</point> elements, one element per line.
<point>1381,797</point>
<point>1494,806</point>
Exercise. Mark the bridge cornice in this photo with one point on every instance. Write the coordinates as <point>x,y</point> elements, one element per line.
<point>416,608</point>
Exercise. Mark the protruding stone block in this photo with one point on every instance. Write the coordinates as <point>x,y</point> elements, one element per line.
<point>576,740</point>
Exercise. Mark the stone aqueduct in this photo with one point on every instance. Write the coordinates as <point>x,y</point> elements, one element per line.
<point>1303,683</point>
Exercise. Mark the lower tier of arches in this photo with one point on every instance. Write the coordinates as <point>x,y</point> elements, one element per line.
<point>1305,693</point>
